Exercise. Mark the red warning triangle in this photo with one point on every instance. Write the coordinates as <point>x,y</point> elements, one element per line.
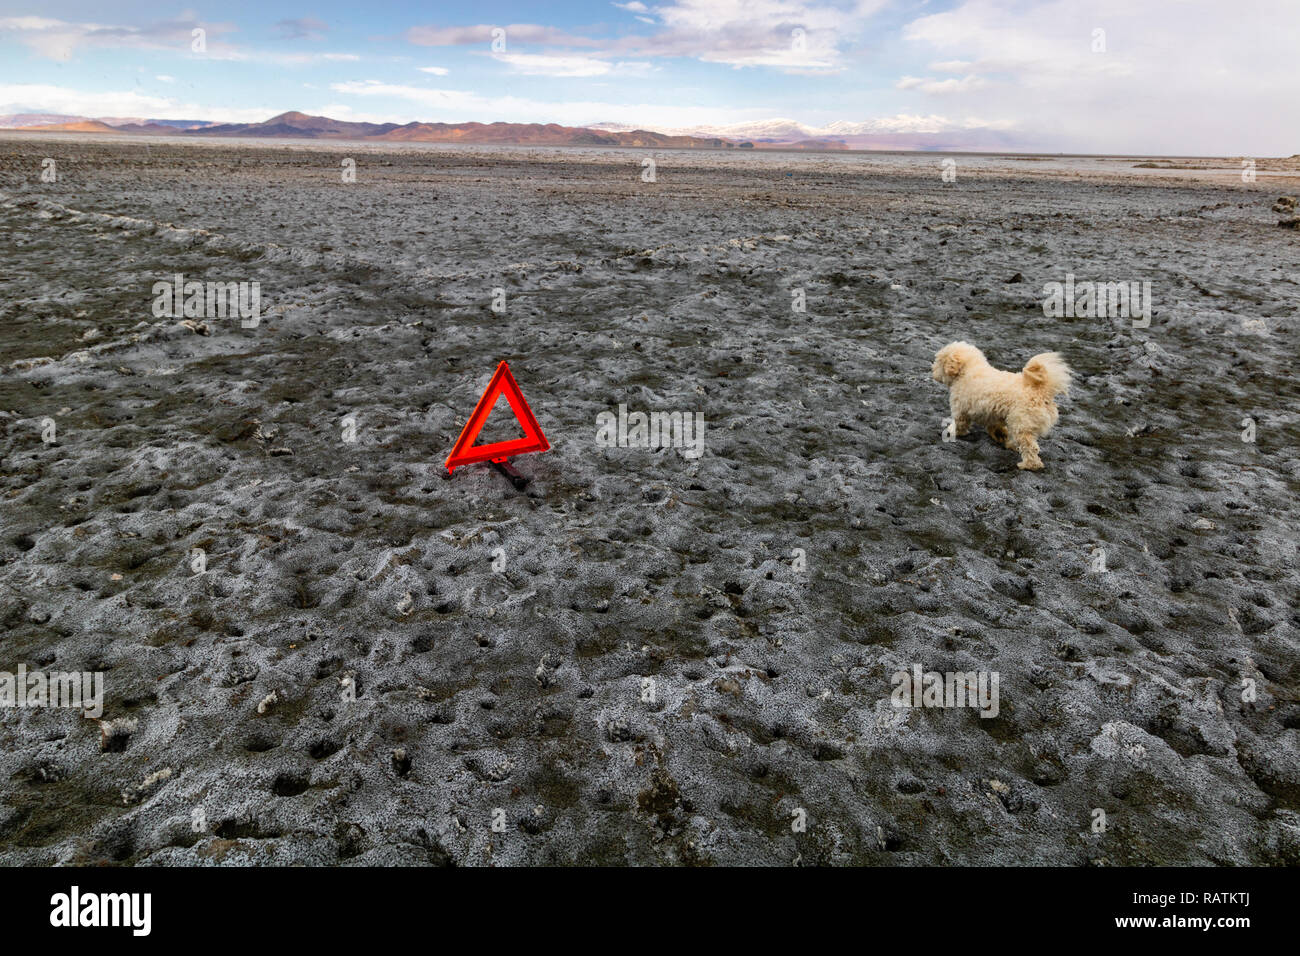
<point>464,452</point>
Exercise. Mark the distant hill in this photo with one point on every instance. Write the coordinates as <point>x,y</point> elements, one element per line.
<point>30,120</point>
<point>79,126</point>
<point>149,127</point>
<point>171,126</point>
<point>538,134</point>
<point>297,125</point>
<point>301,126</point>
<point>770,134</point>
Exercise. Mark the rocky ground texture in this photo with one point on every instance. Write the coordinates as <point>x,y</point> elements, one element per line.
<point>380,665</point>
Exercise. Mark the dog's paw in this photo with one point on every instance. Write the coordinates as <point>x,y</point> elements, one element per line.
<point>1030,465</point>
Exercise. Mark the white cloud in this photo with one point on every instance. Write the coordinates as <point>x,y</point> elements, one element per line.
<point>542,64</point>
<point>482,34</point>
<point>164,78</point>
<point>951,85</point>
<point>454,106</point>
<point>545,64</point>
<point>1204,77</point>
<point>435,70</point>
<point>25,97</point>
<point>637,9</point>
<point>790,35</point>
<point>60,40</point>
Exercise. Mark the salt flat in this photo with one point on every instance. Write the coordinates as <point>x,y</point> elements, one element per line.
<point>647,657</point>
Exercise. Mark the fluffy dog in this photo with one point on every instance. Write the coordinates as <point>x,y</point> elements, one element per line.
<point>1017,408</point>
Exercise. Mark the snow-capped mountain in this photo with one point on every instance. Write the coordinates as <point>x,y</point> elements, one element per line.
<point>788,130</point>
<point>901,132</point>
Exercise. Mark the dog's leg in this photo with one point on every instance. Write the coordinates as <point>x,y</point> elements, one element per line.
<point>960,420</point>
<point>998,432</point>
<point>1027,444</point>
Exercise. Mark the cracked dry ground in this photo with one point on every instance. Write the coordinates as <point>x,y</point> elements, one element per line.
<point>521,690</point>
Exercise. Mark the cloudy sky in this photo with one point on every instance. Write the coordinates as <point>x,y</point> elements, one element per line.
<point>1216,77</point>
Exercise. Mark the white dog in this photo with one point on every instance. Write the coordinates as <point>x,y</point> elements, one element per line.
<point>1017,408</point>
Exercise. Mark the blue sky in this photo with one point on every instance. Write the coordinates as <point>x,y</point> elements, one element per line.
<point>1172,76</point>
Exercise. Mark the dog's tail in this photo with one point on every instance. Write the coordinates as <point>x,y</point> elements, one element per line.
<point>1048,373</point>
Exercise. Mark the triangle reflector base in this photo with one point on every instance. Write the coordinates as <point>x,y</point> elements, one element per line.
<point>502,383</point>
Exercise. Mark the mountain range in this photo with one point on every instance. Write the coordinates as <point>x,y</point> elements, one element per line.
<point>898,133</point>
<point>768,134</point>
<point>294,125</point>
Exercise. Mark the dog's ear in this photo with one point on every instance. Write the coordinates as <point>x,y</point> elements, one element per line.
<point>952,365</point>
